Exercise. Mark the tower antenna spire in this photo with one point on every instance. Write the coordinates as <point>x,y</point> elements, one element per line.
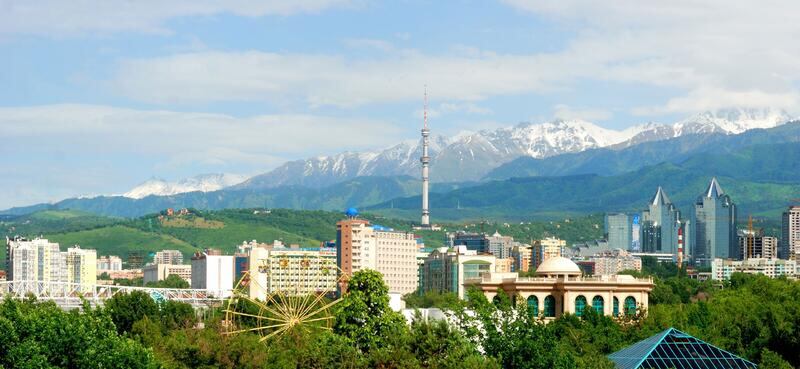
<point>425,160</point>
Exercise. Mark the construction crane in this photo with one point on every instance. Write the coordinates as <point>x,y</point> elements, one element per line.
<point>750,238</point>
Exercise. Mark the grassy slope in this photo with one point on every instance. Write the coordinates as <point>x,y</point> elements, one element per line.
<point>120,240</point>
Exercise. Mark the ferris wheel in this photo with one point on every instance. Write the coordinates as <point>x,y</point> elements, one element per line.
<point>284,292</point>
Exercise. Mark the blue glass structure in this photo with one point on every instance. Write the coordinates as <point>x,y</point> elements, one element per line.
<point>675,349</point>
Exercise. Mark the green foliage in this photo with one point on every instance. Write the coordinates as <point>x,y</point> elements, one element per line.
<point>364,315</point>
<point>41,335</point>
<point>432,299</point>
<point>172,281</point>
<point>128,308</point>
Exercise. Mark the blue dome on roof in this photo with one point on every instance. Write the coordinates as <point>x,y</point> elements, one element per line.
<point>351,212</point>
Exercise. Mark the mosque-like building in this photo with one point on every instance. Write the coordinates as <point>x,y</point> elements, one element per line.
<point>560,288</point>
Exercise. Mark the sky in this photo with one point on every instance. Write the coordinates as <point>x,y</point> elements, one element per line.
<point>97,96</point>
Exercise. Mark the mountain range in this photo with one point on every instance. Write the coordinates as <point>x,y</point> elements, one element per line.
<point>202,183</point>
<point>478,161</point>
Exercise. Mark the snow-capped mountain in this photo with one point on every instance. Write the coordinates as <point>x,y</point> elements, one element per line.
<point>469,156</point>
<point>203,183</point>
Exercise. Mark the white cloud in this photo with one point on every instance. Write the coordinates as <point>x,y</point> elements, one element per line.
<point>718,52</point>
<point>565,112</point>
<point>66,18</point>
<point>335,80</point>
<point>57,151</point>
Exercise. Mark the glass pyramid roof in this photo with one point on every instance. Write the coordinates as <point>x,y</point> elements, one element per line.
<point>675,349</point>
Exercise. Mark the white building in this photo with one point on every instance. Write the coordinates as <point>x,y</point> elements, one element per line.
<point>613,262</point>
<point>160,272</point>
<point>790,229</point>
<point>721,269</point>
<point>35,260</point>
<point>392,253</point>
<point>41,260</point>
<point>109,263</point>
<point>292,271</point>
<point>171,257</point>
<point>213,273</point>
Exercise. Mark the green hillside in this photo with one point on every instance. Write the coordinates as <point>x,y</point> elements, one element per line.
<point>120,240</point>
<point>225,229</point>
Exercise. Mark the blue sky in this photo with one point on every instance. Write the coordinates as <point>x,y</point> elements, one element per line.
<point>98,96</point>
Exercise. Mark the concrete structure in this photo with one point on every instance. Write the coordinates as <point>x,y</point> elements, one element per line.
<point>522,257</point>
<point>160,272</point>
<point>504,265</point>
<point>81,266</point>
<point>109,263</point>
<point>213,273</point>
<point>34,260</point>
<point>715,220</point>
<point>546,248</point>
<point>360,245</point>
<point>612,262</point>
<point>295,272</point>
<point>721,269</point>
<point>790,239</point>
<point>425,160</point>
<point>756,245</point>
<point>559,288</point>
<point>446,270</point>
<point>171,257</point>
<point>500,246</point>
<point>659,226</point>
<point>619,230</point>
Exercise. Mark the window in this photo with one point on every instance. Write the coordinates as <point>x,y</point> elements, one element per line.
<point>533,306</point>
<point>496,301</point>
<point>598,304</point>
<point>580,304</point>
<point>616,306</point>
<point>550,307</point>
<point>630,305</point>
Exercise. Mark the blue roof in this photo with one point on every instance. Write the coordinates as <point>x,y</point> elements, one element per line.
<point>675,349</point>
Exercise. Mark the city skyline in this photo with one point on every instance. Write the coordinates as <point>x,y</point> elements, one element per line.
<point>174,90</point>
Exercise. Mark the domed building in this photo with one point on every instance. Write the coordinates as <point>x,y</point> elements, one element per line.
<point>559,288</point>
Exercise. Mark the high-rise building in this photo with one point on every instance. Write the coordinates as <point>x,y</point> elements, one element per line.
<point>35,260</point>
<point>790,240</point>
<point>500,246</point>
<point>473,241</point>
<point>109,263</point>
<point>522,257</point>
<point>169,257</point>
<point>659,226</point>
<point>360,245</point>
<point>446,270</point>
<point>619,230</point>
<point>41,260</point>
<point>213,273</point>
<point>546,248</point>
<point>756,245</point>
<point>81,267</point>
<point>294,271</point>
<point>715,220</point>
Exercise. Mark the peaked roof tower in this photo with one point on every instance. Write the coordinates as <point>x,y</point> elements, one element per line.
<point>714,189</point>
<point>675,349</point>
<point>660,198</point>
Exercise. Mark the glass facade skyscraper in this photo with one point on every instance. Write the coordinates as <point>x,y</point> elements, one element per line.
<point>715,235</point>
<point>619,230</point>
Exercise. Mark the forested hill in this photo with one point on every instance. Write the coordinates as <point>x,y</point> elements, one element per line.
<point>225,229</point>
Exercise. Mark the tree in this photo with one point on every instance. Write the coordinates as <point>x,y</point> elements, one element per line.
<point>42,335</point>
<point>364,315</point>
<point>172,281</point>
<point>128,308</point>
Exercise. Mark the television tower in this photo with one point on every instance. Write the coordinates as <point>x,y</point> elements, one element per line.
<point>425,160</point>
